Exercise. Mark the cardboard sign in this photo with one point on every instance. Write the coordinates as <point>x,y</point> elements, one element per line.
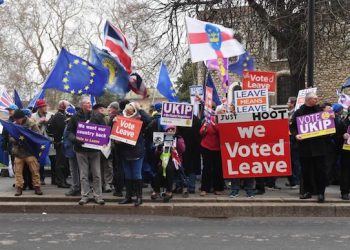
<point>301,96</point>
<point>316,124</point>
<point>253,147</point>
<point>158,138</point>
<point>259,80</point>
<point>196,94</point>
<point>346,145</point>
<point>208,98</point>
<point>126,130</point>
<point>250,101</point>
<point>93,135</point>
<point>177,114</point>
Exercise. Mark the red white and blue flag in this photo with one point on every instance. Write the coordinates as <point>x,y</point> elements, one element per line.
<point>117,45</point>
<point>211,41</point>
<point>137,85</point>
<point>5,100</point>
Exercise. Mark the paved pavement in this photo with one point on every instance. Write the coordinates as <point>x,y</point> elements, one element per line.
<point>80,232</point>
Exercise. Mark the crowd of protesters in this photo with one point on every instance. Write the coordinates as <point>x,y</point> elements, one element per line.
<point>169,169</point>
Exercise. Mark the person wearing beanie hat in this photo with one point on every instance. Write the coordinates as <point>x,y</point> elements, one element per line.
<point>41,117</point>
<point>27,112</point>
<point>70,111</point>
<point>11,109</point>
<point>54,128</point>
<point>23,156</point>
<point>337,108</point>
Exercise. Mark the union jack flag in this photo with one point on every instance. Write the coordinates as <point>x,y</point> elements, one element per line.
<point>117,45</point>
<point>5,100</point>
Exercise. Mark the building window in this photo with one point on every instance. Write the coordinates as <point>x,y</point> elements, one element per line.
<point>285,89</point>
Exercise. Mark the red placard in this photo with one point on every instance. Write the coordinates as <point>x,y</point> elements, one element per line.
<point>259,80</point>
<point>126,130</point>
<point>255,144</point>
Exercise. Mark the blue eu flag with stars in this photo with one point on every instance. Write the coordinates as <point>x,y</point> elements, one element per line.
<point>75,75</point>
<point>164,86</point>
<point>35,143</point>
<point>245,62</point>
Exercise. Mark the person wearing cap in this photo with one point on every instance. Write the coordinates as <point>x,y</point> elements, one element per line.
<point>71,156</point>
<point>113,110</point>
<point>55,128</point>
<point>106,164</point>
<point>88,159</point>
<point>41,117</point>
<point>132,156</point>
<point>11,109</point>
<point>23,156</point>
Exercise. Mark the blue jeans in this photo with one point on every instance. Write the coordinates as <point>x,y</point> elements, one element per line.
<point>248,184</point>
<point>132,169</point>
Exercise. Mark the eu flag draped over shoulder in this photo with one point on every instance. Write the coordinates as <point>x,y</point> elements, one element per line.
<point>164,85</point>
<point>74,75</point>
<point>245,62</point>
<point>211,84</point>
<point>118,77</point>
<point>35,143</point>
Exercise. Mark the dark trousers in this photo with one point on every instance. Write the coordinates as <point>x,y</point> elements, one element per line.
<point>294,179</point>
<point>164,181</point>
<point>314,171</point>
<point>118,174</point>
<point>60,165</point>
<point>345,173</point>
<point>212,171</point>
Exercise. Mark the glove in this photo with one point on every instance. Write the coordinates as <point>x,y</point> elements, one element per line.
<point>78,143</point>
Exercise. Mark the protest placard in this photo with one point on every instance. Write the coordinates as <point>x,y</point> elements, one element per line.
<point>317,124</point>
<point>177,114</point>
<point>93,135</point>
<point>346,145</point>
<point>196,94</point>
<point>252,146</point>
<point>126,130</point>
<point>259,80</point>
<point>301,96</point>
<point>250,101</point>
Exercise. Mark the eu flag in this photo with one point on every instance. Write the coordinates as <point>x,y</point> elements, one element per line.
<point>18,101</point>
<point>245,62</point>
<point>39,95</point>
<point>35,143</point>
<point>1,1</point>
<point>164,86</point>
<point>118,77</point>
<point>74,75</point>
<point>211,84</point>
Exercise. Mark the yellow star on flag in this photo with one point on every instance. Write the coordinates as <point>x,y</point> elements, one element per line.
<point>42,147</point>
<point>76,61</point>
<point>70,65</point>
<point>66,73</point>
<point>66,86</point>
<point>80,91</point>
<point>21,137</point>
<point>92,74</point>
<point>90,68</point>
<point>72,92</point>
<point>84,63</point>
<point>87,88</point>
<point>91,81</point>
<point>65,80</point>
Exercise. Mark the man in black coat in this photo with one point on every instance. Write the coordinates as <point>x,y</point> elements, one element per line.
<point>55,128</point>
<point>312,152</point>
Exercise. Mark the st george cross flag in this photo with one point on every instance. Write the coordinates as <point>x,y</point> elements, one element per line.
<point>35,143</point>
<point>210,41</point>
<point>117,45</point>
<point>75,75</point>
<point>5,100</point>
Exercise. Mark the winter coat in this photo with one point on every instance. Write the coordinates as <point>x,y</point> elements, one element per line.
<point>56,125</point>
<point>80,116</point>
<point>210,136</point>
<point>311,147</point>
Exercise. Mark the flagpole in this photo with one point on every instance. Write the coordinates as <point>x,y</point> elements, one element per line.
<point>155,89</point>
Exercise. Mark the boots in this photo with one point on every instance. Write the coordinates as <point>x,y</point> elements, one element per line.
<point>139,185</point>
<point>18,191</point>
<point>38,191</point>
<point>128,194</point>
